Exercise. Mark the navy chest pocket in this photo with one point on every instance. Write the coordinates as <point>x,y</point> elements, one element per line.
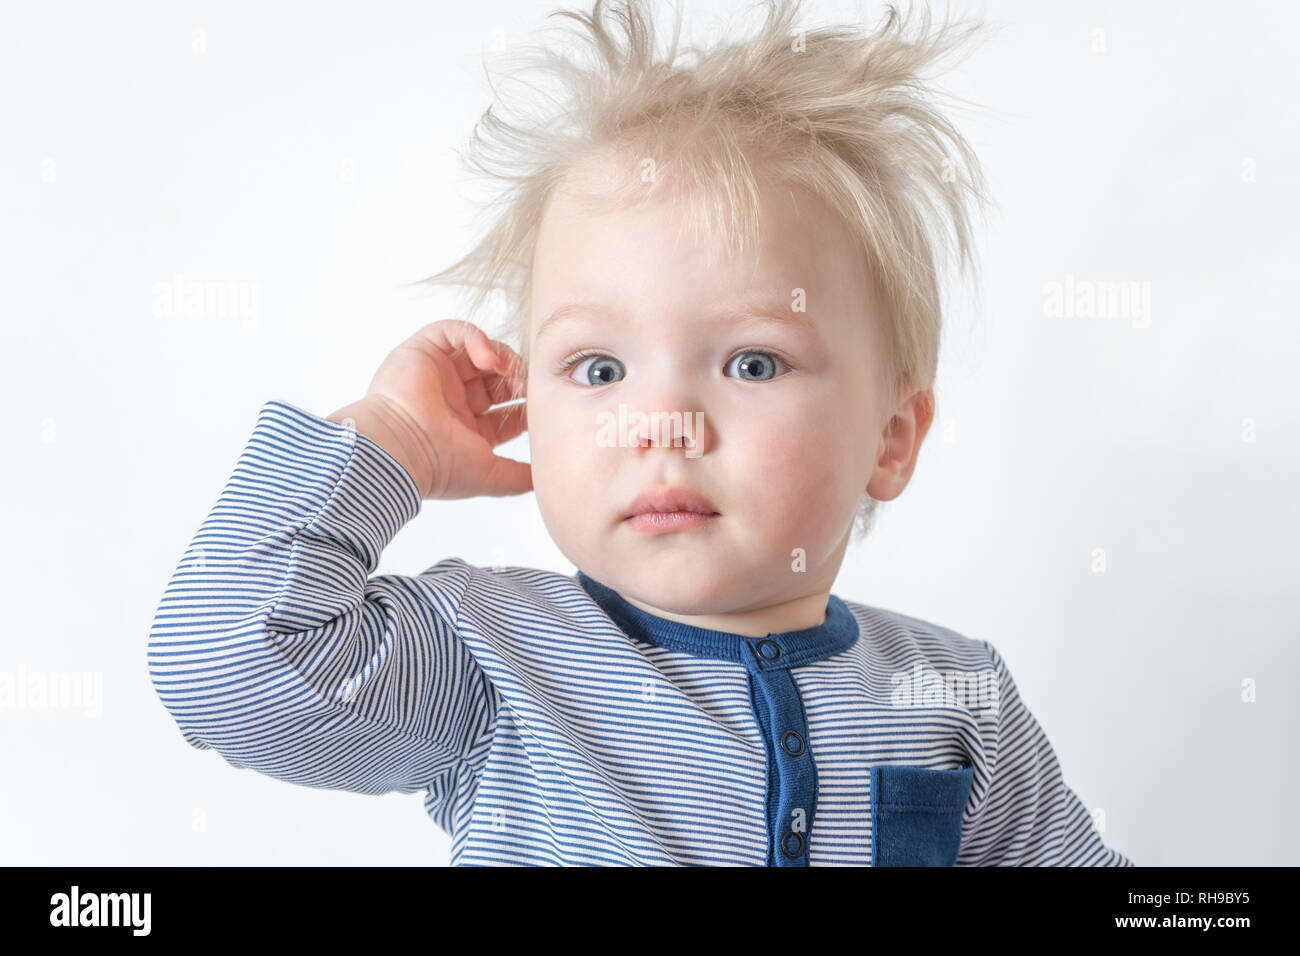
<point>916,815</point>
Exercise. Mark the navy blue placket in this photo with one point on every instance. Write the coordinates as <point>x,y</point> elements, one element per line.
<point>773,693</point>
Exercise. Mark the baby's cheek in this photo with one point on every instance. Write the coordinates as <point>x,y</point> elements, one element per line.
<point>553,471</point>
<point>804,453</point>
<point>804,487</point>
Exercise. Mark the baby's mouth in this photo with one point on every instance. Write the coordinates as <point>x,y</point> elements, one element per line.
<point>655,522</point>
<point>660,510</point>
<point>673,500</point>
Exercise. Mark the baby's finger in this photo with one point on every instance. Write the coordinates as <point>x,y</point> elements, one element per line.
<point>507,477</point>
<point>504,423</point>
<point>511,360</point>
<point>482,350</point>
<point>476,396</point>
<point>507,386</point>
<point>462,342</point>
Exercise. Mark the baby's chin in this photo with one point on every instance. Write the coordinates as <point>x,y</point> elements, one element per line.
<point>684,598</point>
<point>682,581</point>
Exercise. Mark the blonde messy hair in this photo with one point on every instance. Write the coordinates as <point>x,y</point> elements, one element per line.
<point>842,113</point>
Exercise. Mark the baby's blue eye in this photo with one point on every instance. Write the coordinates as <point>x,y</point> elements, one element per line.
<point>753,365</point>
<point>591,368</point>
<point>604,372</point>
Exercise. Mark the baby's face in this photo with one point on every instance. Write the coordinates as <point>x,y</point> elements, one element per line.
<point>791,407</point>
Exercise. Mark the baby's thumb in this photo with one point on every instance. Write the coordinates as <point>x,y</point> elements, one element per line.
<point>508,477</point>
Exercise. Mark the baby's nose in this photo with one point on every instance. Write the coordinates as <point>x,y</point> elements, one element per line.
<point>679,430</point>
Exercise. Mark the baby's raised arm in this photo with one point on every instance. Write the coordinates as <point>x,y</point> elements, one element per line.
<point>273,644</point>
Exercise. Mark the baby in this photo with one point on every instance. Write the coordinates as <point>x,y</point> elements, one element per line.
<point>723,273</point>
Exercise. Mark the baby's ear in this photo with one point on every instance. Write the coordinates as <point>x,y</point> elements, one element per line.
<point>900,445</point>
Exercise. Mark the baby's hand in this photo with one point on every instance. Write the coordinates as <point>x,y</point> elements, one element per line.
<point>430,407</point>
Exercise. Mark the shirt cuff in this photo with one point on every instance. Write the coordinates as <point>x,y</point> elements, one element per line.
<point>360,493</point>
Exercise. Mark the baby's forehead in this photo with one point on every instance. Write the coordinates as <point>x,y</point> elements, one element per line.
<point>709,199</point>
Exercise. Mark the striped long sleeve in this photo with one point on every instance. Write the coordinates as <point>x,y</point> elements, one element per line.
<point>275,646</point>
<point>1029,816</point>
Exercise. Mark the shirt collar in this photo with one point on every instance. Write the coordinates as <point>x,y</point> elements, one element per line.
<point>836,633</point>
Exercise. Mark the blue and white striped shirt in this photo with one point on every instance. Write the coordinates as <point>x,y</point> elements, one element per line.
<point>549,722</point>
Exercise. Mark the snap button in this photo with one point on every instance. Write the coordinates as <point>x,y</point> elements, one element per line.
<point>792,844</point>
<point>793,749</point>
<point>769,650</point>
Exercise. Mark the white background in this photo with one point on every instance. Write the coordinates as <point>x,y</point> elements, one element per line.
<point>311,149</point>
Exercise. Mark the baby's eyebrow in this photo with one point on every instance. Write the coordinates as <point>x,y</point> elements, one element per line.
<point>774,311</point>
